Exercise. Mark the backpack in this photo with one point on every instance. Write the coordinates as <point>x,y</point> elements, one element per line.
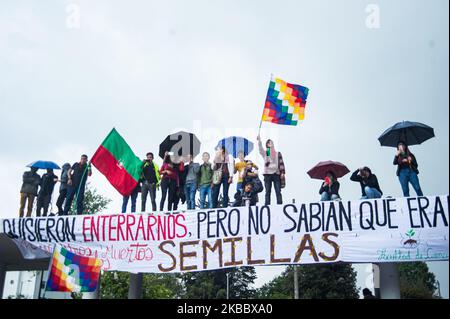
<point>217,176</point>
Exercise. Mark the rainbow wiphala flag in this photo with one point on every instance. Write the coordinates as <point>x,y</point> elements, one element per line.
<point>285,103</point>
<point>72,273</point>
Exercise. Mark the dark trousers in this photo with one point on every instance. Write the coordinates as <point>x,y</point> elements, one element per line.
<point>133,196</point>
<point>148,188</point>
<point>168,187</point>
<point>60,201</point>
<point>268,180</point>
<point>216,191</point>
<point>43,201</point>
<point>71,193</point>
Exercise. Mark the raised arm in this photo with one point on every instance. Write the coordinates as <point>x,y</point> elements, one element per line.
<point>355,177</point>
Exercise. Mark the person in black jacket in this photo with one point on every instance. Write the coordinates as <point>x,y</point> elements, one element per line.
<point>247,197</point>
<point>48,182</point>
<point>368,181</point>
<point>330,188</point>
<point>407,169</point>
<point>29,190</point>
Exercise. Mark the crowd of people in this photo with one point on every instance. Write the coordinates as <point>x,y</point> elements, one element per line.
<point>179,181</point>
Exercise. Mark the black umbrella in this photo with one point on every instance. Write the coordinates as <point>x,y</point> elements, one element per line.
<point>180,144</point>
<point>412,133</point>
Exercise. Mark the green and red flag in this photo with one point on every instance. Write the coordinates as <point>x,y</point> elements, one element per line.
<point>115,159</point>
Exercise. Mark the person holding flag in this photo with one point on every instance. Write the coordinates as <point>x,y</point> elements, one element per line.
<point>285,105</point>
<point>274,170</point>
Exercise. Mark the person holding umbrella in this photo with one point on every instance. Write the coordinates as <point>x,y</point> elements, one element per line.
<point>401,135</point>
<point>48,182</point>
<point>239,147</point>
<point>329,171</point>
<point>330,188</point>
<point>407,169</point>
<point>222,176</point>
<point>368,181</point>
<point>31,181</point>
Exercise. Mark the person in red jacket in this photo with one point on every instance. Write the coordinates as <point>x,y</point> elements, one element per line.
<point>169,181</point>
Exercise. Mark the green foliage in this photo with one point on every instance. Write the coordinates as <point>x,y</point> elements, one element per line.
<point>416,282</point>
<point>93,202</point>
<point>213,284</point>
<point>115,285</point>
<point>333,281</point>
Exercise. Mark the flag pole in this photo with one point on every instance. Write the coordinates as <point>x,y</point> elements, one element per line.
<point>48,270</point>
<point>261,121</point>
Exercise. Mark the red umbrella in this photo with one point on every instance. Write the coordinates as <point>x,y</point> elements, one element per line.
<point>320,170</point>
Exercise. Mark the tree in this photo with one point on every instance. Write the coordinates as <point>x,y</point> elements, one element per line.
<point>115,285</point>
<point>213,284</point>
<point>416,281</point>
<point>332,281</point>
<point>93,202</point>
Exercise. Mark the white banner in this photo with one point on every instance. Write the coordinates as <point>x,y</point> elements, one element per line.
<point>360,231</point>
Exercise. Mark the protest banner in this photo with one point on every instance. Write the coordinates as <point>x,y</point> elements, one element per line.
<point>358,231</point>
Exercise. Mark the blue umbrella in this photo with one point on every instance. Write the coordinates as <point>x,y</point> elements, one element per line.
<point>44,165</point>
<point>235,144</point>
<point>412,133</point>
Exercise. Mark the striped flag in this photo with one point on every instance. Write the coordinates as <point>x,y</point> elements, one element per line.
<point>285,103</point>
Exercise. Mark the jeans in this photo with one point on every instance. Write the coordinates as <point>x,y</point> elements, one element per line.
<point>268,180</point>
<point>406,176</point>
<point>23,198</point>
<point>167,186</point>
<point>190,188</point>
<point>206,190</point>
<point>216,191</point>
<point>71,193</point>
<point>371,193</point>
<point>43,201</point>
<point>60,201</point>
<point>324,197</point>
<point>148,188</point>
<point>133,196</point>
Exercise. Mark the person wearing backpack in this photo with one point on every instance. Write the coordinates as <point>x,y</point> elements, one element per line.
<point>222,175</point>
<point>205,181</point>
<point>274,170</point>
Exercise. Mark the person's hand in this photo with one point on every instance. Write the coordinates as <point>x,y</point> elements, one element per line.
<point>398,152</point>
<point>282,175</point>
<point>230,180</point>
<point>405,160</point>
<point>409,159</point>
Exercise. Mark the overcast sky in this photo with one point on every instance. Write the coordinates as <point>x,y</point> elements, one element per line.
<point>149,68</point>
